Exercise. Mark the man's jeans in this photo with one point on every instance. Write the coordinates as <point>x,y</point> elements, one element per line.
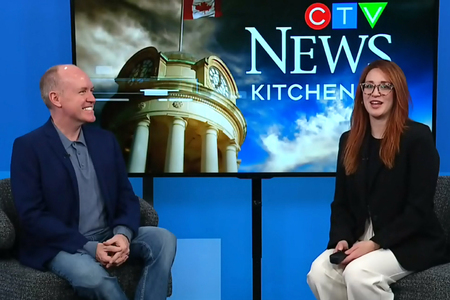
<point>154,245</point>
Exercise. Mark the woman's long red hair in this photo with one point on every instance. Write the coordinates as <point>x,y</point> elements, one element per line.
<point>390,145</point>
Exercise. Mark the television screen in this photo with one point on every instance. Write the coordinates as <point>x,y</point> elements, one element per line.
<point>244,86</point>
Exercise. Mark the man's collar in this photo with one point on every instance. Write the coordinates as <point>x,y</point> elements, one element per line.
<point>65,141</point>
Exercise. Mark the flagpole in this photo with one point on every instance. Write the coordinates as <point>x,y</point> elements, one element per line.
<point>180,42</point>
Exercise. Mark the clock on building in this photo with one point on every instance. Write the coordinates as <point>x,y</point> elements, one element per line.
<point>218,82</point>
<point>141,71</point>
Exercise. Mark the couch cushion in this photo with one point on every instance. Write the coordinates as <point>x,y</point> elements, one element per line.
<point>442,204</point>
<point>432,284</point>
<point>20,282</point>
<point>7,233</point>
<point>7,203</point>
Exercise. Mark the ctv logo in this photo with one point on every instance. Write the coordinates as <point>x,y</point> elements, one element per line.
<point>343,15</point>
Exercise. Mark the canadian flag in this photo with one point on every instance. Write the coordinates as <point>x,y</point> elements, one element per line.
<point>195,9</point>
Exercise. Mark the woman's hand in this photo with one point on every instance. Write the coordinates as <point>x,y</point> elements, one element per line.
<point>359,249</point>
<point>341,246</point>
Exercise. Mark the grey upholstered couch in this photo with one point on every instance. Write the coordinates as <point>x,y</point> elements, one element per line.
<point>434,283</point>
<point>20,282</point>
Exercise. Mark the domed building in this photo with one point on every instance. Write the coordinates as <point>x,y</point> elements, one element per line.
<point>181,116</point>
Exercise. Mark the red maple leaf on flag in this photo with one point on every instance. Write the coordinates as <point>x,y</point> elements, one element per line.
<point>203,7</point>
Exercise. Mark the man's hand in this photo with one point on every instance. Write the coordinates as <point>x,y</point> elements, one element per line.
<point>341,246</point>
<point>103,253</point>
<point>359,249</point>
<point>121,242</point>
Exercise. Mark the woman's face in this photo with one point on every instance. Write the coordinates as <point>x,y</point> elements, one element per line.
<point>378,97</point>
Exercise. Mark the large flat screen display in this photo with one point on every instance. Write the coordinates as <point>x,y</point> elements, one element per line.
<point>244,87</point>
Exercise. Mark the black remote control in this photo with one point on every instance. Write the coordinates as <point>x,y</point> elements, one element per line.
<point>337,257</point>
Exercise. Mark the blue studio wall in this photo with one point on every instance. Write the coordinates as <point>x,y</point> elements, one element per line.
<point>211,217</point>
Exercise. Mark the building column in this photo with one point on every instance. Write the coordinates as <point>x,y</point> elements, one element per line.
<point>175,146</point>
<point>138,158</point>
<point>210,158</point>
<point>231,157</point>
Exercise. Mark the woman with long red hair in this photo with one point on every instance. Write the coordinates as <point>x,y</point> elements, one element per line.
<point>383,225</point>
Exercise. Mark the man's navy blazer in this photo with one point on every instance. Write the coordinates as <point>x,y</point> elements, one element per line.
<point>45,192</point>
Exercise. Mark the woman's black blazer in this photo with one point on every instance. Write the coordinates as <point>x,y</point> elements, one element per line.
<point>399,201</point>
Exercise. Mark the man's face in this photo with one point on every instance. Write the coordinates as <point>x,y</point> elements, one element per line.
<point>76,95</point>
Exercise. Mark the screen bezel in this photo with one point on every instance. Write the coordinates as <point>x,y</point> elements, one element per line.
<point>267,175</point>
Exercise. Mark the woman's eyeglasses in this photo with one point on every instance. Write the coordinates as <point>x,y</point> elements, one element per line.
<point>383,88</point>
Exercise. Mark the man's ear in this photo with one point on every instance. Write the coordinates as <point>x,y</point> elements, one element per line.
<point>54,98</point>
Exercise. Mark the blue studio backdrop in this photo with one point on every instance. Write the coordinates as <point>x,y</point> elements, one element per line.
<point>210,216</point>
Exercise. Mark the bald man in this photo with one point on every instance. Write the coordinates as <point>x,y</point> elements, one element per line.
<point>76,206</point>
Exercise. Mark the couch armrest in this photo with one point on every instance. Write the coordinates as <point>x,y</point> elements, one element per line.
<point>149,216</point>
<point>7,232</point>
